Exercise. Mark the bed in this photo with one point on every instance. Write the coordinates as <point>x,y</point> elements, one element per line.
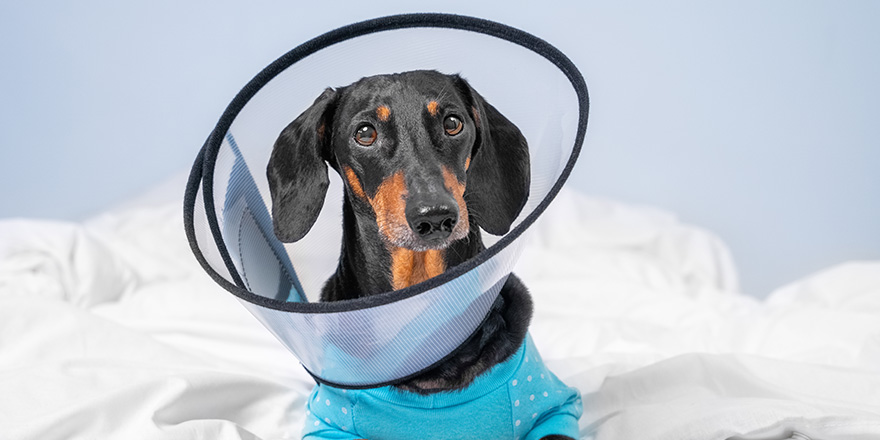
<point>109,329</point>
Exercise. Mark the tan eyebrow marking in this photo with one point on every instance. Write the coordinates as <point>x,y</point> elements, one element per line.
<point>432,108</point>
<point>383,112</point>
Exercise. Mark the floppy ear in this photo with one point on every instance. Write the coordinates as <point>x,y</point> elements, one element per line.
<point>297,171</point>
<point>498,176</point>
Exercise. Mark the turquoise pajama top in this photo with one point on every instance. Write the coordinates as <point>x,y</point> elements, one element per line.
<point>519,399</point>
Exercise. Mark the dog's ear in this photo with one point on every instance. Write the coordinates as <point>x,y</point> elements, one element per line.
<point>297,170</point>
<point>498,176</point>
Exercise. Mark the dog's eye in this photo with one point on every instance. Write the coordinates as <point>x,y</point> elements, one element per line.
<point>365,135</point>
<point>452,124</point>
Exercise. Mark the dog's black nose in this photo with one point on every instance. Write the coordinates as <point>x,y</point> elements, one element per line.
<point>432,222</point>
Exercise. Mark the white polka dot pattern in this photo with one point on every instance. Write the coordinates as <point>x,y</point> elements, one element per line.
<point>525,389</point>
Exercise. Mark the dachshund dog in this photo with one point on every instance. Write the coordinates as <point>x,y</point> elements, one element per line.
<point>426,162</point>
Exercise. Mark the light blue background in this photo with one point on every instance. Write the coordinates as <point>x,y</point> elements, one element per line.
<point>757,120</point>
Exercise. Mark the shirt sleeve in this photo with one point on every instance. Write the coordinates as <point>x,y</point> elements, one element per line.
<point>320,430</point>
<point>562,420</point>
<point>328,416</point>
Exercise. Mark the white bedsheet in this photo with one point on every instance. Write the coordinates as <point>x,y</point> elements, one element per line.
<point>109,329</point>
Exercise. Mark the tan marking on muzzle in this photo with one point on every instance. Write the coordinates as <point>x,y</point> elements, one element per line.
<point>354,183</point>
<point>389,204</point>
<point>383,112</point>
<point>410,267</point>
<point>457,189</point>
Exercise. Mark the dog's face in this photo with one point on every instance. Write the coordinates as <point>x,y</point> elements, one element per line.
<point>423,157</point>
<point>402,145</point>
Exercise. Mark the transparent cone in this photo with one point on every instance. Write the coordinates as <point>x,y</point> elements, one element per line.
<point>385,338</point>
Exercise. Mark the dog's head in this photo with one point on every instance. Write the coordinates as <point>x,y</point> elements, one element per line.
<point>421,153</point>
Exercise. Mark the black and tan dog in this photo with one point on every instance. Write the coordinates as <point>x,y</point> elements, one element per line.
<point>426,163</point>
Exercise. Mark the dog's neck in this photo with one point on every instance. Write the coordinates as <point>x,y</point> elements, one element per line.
<point>369,265</point>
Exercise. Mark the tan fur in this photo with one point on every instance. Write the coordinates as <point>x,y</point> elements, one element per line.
<point>457,190</point>
<point>432,108</point>
<point>389,204</point>
<point>410,267</point>
<point>354,183</point>
<point>383,112</point>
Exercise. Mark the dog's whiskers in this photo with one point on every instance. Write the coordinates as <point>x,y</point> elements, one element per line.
<point>442,94</point>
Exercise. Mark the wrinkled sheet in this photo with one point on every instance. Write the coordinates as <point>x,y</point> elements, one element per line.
<point>109,329</point>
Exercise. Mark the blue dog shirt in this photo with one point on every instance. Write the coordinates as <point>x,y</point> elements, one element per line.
<point>518,399</point>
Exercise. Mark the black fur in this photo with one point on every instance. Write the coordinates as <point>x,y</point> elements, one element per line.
<point>498,180</point>
<point>297,171</point>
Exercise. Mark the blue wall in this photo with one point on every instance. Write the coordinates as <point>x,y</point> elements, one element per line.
<point>757,120</point>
